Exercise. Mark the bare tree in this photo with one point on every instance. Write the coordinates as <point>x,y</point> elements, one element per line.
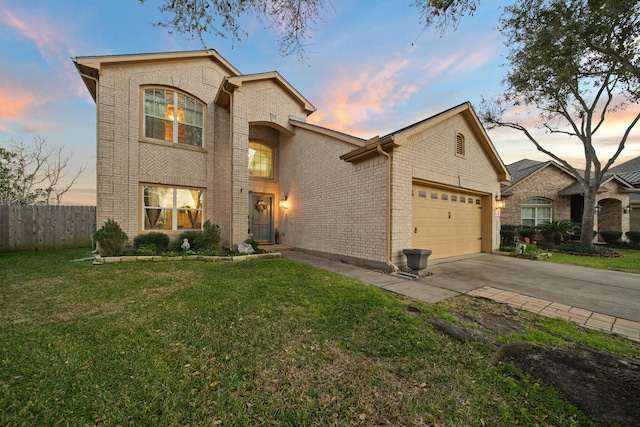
<point>37,174</point>
<point>556,69</point>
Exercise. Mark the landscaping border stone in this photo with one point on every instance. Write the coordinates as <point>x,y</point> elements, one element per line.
<point>100,260</point>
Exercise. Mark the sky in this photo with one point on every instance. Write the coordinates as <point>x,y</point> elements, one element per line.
<point>371,70</point>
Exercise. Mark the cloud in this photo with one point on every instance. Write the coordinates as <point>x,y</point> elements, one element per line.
<point>364,95</point>
<point>357,95</point>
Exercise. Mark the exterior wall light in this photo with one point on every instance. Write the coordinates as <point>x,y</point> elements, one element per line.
<point>628,209</point>
<point>598,208</point>
<point>499,203</point>
<point>284,203</point>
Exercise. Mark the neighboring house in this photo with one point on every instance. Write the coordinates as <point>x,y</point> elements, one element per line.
<point>630,172</point>
<point>545,191</point>
<point>184,137</point>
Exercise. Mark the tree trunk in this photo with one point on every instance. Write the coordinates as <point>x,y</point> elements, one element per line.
<point>588,217</point>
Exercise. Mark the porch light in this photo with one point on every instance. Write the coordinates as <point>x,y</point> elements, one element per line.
<point>628,209</point>
<point>284,203</point>
<point>500,204</point>
<point>598,208</point>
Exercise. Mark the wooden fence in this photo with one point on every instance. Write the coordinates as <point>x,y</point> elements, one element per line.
<point>24,228</point>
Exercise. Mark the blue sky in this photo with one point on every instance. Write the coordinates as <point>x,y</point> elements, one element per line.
<point>371,70</point>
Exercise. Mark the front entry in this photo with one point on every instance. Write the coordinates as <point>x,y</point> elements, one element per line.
<point>261,218</point>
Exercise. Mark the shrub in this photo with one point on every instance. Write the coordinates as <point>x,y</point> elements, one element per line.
<point>529,232</point>
<point>577,248</point>
<point>634,237</point>
<point>610,236</point>
<point>555,230</point>
<point>147,249</point>
<point>111,239</point>
<point>508,233</point>
<point>159,240</point>
<point>209,240</point>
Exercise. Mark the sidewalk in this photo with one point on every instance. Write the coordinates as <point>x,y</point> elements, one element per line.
<point>626,328</point>
<point>441,286</point>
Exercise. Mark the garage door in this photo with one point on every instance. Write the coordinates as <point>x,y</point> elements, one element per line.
<point>445,221</point>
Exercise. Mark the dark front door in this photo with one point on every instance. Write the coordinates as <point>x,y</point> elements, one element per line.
<point>261,218</point>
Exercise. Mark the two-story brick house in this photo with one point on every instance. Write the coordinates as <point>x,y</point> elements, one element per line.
<point>183,137</point>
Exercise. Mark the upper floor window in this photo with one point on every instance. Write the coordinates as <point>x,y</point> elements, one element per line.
<point>536,211</point>
<point>172,116</point>
<point>460,144</point>
<point>168,208</point>
<point>260,160</point>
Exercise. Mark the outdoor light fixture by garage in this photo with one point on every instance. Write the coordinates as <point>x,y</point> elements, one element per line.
<point>598,209</point>
<point>628,209</point>
<point>500,204</point>
<point>284,203</point>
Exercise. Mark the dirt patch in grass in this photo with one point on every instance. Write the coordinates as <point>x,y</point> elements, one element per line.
<point>598,382</point>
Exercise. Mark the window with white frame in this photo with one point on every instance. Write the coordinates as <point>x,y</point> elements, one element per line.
<point>536,211</point>
<point>173,116</point>
<point>169,208</point>
<point>260,160</point>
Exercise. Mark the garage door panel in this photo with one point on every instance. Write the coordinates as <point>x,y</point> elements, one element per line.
<point>448,225</point>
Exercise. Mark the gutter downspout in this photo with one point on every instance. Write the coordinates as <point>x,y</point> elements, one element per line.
<point>224,89</point>
<point>388,233</point>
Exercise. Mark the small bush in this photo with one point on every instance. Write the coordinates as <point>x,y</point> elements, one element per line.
<point>210,241</point>
<point>611,236</point>
<point>155,238</point>
<point>508,233</point>
<point>529,232</point>
<point>111,239</point>
<point>634,237</point>
<point>576,248</point>
<point>147,249</point>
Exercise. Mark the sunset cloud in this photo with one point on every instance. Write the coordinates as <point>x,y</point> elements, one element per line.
<point>356,96</point>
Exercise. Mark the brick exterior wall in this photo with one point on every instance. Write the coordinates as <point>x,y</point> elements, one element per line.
<point>430,157</point>
<point>335,207</point>
<point>544,183</point>
<point>125,160</point>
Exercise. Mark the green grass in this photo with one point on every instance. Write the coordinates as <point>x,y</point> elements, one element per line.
<point>266,342</point>
<point>629,262</point>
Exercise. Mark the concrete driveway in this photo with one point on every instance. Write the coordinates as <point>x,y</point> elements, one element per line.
<point>609,292</point>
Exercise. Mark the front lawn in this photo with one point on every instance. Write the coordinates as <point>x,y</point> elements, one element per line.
<point>629,262</point>
<point>259,343</point>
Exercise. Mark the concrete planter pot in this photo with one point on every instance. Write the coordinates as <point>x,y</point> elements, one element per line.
<point>417,260</point>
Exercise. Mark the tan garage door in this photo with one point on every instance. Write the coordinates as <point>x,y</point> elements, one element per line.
<point>447,222</point>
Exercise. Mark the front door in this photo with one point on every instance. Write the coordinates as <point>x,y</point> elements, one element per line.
<point>261,218</point>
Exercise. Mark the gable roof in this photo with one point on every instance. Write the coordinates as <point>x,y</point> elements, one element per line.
<point>524,168</point>
<point>231,83</point>
<point>89,66</point>
<point>398,138</point>
<point>632,165</point>
<point>576,187</point>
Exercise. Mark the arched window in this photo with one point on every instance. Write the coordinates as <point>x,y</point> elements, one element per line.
<point>460,144</point>
<point>173,116</point>
<point>260,160</point>
<point>535,211</point>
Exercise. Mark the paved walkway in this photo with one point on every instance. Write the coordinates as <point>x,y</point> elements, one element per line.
<point>576,292</point>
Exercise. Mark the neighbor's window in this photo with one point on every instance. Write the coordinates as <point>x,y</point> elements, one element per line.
<point>173,116</point>
<point>260,160</point>
<point>168,208</point>
<point>536,211</point>
<point>460,144</point>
